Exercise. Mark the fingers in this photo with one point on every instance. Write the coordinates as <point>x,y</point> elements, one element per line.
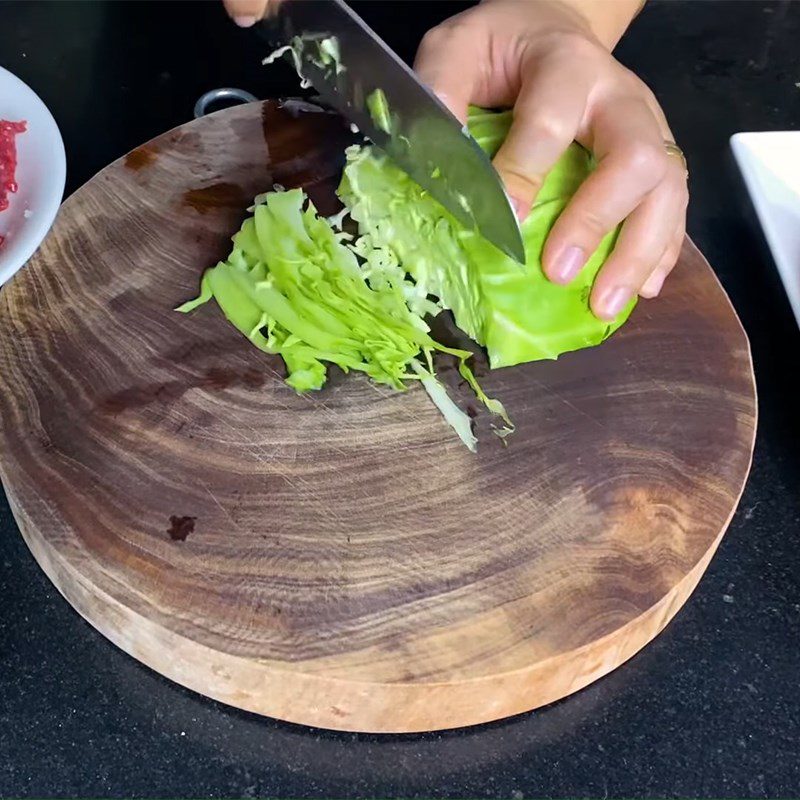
<point>245,13</point>
<point>645,252</point>
<point>448,62</point>
<point>632,162</point>
<point>652,286</point>
<point>547,116</point>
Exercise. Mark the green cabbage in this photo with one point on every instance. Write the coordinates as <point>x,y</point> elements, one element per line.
<point>517,314</point>
<point>378,108</point>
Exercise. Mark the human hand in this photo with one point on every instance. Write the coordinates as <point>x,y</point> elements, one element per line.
<point>542,57</point>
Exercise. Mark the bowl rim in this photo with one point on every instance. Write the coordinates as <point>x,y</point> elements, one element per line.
<point>38,225</point>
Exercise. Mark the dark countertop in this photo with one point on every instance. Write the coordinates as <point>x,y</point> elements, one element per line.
<point>710,708</point>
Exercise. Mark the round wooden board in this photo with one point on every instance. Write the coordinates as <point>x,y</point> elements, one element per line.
<point>341,560</point>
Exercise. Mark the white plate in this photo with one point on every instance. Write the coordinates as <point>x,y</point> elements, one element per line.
<point>41,171</point>
<point>770,165</point>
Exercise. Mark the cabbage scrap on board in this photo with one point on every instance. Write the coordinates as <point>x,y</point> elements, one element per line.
<point>517,314</point>
<point>297,285</point>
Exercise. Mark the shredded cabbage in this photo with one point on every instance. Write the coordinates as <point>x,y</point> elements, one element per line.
<point>294,288</point>
<point>321,50</point>
<point>378,107</point>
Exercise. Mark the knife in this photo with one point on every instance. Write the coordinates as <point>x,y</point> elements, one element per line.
<point>356,73</point>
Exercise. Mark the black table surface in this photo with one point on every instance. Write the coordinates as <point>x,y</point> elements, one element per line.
<point>710,708</point>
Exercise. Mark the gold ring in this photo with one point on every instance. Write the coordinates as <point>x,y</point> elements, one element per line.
<point>675,152</point>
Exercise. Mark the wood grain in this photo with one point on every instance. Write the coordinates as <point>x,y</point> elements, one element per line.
<point>341,560</point>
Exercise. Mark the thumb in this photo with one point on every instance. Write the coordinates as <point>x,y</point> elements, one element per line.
<point>245,13</point>
<point>446,62</point>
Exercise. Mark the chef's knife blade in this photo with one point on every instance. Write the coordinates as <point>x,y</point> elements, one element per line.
<point>423,138</point>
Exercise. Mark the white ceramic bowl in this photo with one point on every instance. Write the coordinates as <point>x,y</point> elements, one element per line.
<point>41,171</point>
<point>770,164</point>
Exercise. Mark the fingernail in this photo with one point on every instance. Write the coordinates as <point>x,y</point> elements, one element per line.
<point>613,301</point>
<point>568,264</point>
<point>652,286</point>
<point>520,209</point>
<point>245,20</point>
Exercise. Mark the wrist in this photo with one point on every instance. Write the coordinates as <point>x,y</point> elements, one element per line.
<point>603,20</point>
<point>608,19</point>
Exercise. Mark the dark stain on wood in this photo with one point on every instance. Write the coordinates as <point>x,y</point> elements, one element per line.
<point>180,527</point>
<point>138,396</point>
<point>167,392</point>
<point>140,158</point>
<point>217,195</point>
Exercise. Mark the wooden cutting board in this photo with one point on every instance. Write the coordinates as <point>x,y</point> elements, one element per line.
<point>341,560</point>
